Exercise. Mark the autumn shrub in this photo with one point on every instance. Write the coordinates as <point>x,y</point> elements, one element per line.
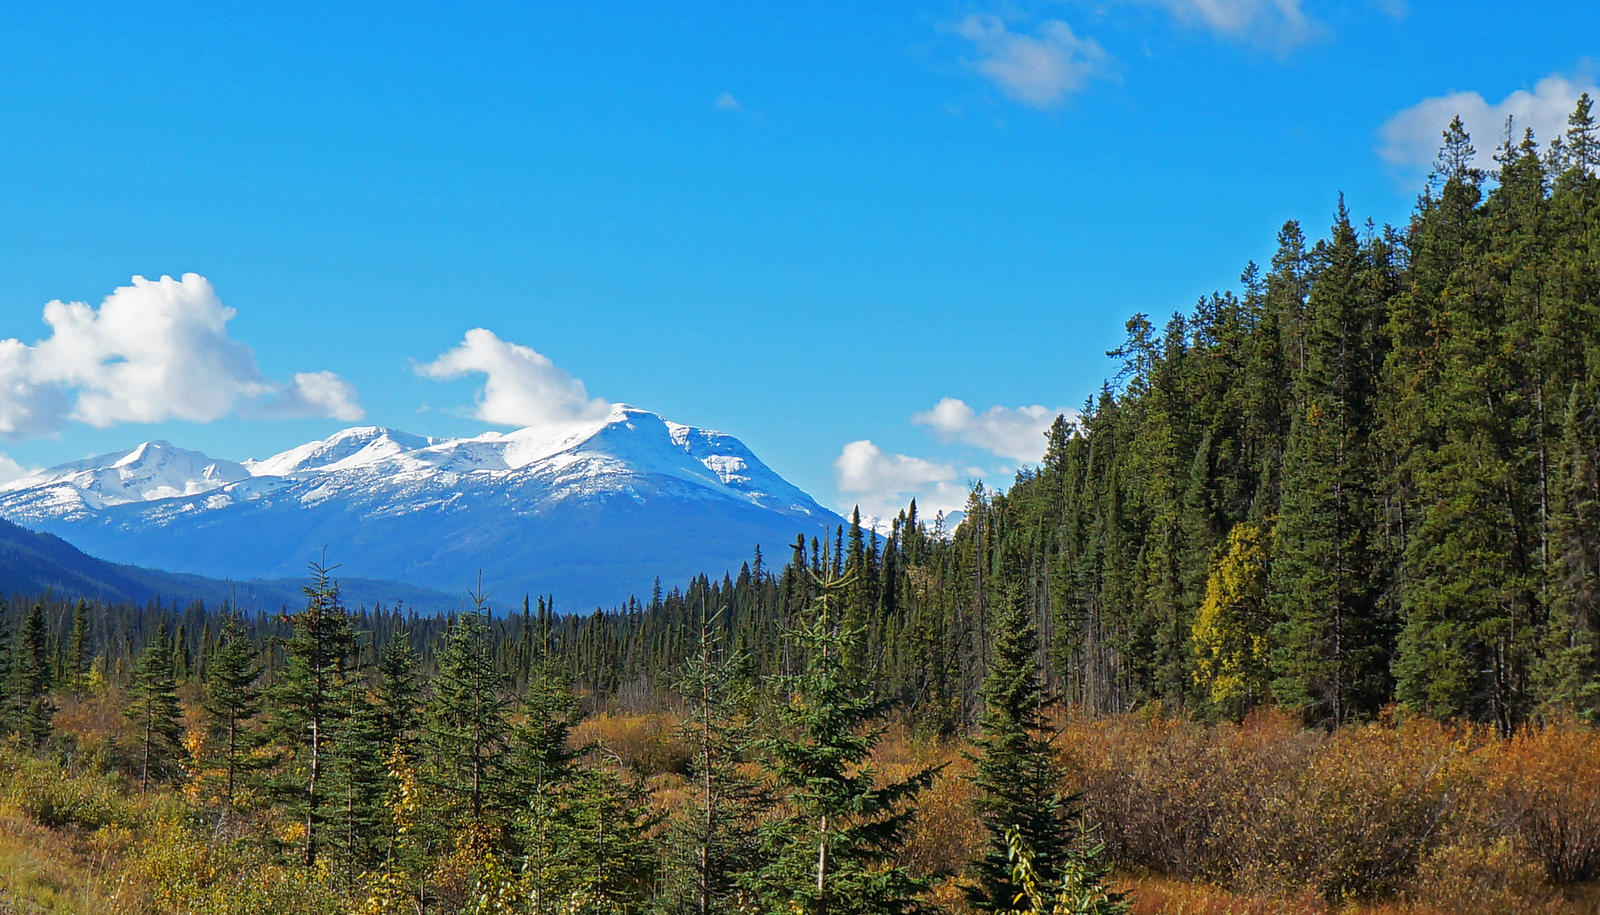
<point>946,834</point>
<point>55,797</point>
<point>174,868</point>
<point>1546,789</point>
<point>1154,790</point>
<point>1475,876</point>
<point>648,744</point>
<point>1268,806</point>
<point>1371,802</point>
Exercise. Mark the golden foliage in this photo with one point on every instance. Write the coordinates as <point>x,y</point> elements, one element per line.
<point>1228,635</point>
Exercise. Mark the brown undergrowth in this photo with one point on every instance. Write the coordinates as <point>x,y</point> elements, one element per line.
<point>1257,818</point>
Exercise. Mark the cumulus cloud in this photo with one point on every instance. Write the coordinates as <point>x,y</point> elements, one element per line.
<point>1280,25</point>
<point>1039,69</point>
<point>521,386</point>
<point>882,484</point>
<point>11,470</point>
<point>318,394</point>
<point>1012,432</point>
<point>152,351</point>
<point>1412,137</point>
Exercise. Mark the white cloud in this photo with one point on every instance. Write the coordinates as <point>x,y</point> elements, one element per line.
<point>152,351</point>
<point>726,102</point>
<point>882,484</point>
<point>1039,69</point>
<point>318,394</point>
<point>1280,25</point>
<point>1412,137</point>
<point>521,386</point>
<point>1013,432</point>
<point>11,470</point>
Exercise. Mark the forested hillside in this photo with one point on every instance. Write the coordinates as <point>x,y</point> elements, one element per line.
<point>1363,490</point>
<point>1367,477</point>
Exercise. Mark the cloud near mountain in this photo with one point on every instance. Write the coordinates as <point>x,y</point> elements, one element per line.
<point>153,350</point>
<point>521,386</point>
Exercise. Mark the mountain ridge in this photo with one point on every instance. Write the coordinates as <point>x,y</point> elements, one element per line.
<point>591,512</point>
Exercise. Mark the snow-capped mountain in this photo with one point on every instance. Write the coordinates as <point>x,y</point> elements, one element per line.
<point>590,512</point>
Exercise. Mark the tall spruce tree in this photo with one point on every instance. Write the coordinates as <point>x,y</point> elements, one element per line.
<point>396,694</point>
<point>1328,657</point>
<point>834,850</point>
<point>7,710</point>
<point>465,729</point>
<point>358,781</point>
<point>232,703</point>
<point>716,835</point>
<point>1015,771</point>
<point>33,710</point>
<point>78,656</point>
<point>310,702</point>
<point>153,709</point>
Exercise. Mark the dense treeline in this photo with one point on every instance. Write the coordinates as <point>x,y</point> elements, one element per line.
<point>1367,477</point>
<point>328,749</point>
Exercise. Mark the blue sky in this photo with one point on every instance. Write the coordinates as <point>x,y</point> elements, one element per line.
<point>806,226</point>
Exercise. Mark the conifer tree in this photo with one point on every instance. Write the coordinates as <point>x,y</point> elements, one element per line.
<point>7,712</point>
<point>1015,771</point>
<point>395,697</point>
<point>358,780</point>
<point>465,729</point>
<point>1568,677</point>
<point>1328,659</point>
<point>541,776</point>
<point>78,657</point>
<point>834,851</point>
<point>33,711</point>
<point>1465,600</point>
<point>605,841</point>
<point>310,702</point>
<point>717,832</point>
<point>232,702</point>
<point>153,709</point>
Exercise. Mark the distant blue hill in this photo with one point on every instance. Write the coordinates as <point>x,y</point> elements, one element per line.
<point>32,564</point>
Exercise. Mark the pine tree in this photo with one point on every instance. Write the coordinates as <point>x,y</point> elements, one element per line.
<point>153,708</point>
<point>78,657</point>
<point>541,774</point>
<point>605,841</point>
<point>717,832</point>
<point>1568,676</point>
<point>834,851</point>
<point>358,783</point>
<point>1328,656</point>
<point>310,702</point>
<point>1015,771</point>
<point>7,701</point>
<point>1465,602</point>
<point>232,702</point>
<point>465,730</point>
<point>396,695</point>
<point>33,711</point>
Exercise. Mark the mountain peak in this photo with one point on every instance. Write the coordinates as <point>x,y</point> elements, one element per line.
<point>591,510</point>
